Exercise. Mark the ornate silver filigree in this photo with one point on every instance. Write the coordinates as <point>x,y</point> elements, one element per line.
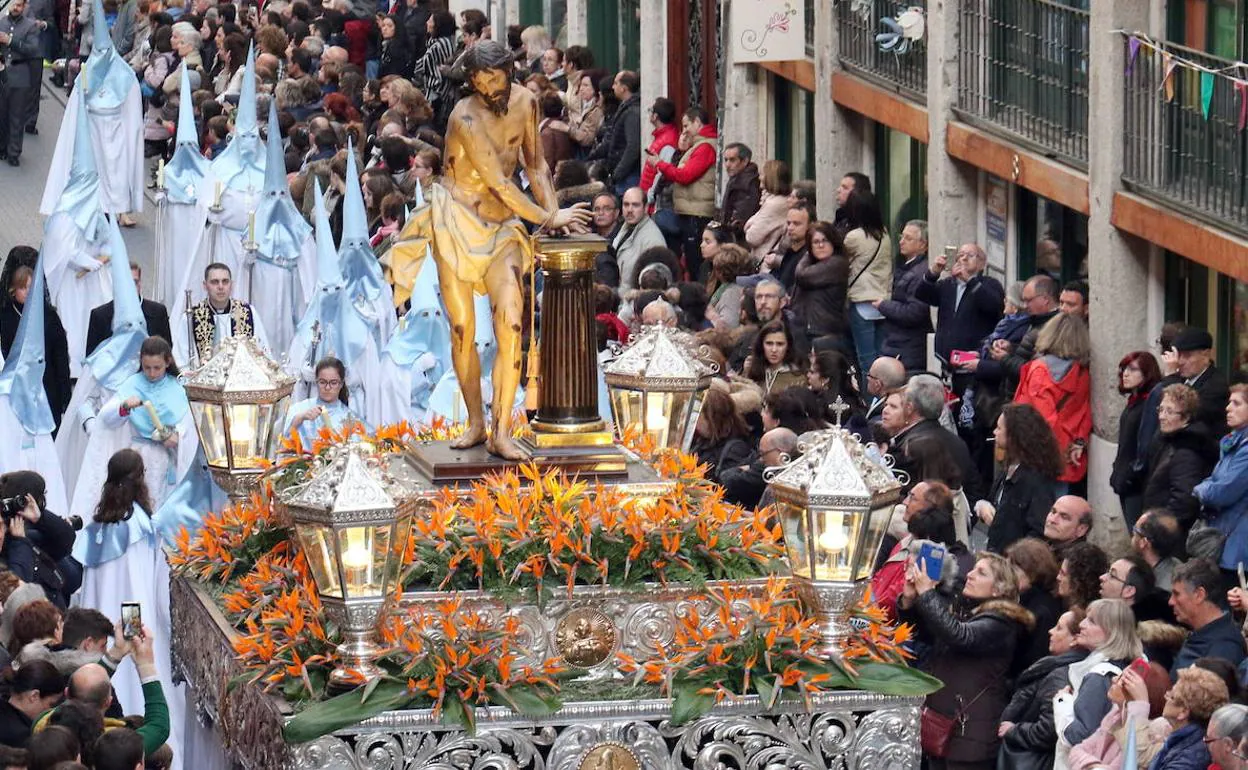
<point>661,358</point>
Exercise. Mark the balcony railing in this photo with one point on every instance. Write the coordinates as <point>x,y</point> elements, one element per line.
<point>859,53</point>
<point>1023,73</point>
<point>1174,154</point>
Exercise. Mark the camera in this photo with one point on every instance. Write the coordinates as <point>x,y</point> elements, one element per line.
<point>12,506</point>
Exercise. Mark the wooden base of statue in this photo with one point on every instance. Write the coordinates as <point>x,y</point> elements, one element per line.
<point>441,464</point>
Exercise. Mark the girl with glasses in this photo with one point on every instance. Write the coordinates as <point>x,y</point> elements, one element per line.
<point>327,409</point>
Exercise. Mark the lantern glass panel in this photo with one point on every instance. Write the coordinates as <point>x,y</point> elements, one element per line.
<point>247,429</point>
<point>695,413</point>
<point>837,542</point>
<point>794,522</point>
<point>364,551</point>
<point>317,542</point>
<point>876,528</point>
<point>273,430</point>
<point>625,409</point>
<point>210,425</point>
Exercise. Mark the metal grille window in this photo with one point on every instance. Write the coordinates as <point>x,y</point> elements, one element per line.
<point>810,28</point>
<point>858,24</point>
<point>1174,154</point>
<point>1023,72</point>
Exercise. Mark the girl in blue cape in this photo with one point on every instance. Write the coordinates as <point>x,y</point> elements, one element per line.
<point>123,562</point>
<point>327,409</point>
<point>151,404</point>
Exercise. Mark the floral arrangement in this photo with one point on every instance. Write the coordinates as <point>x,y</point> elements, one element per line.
<point>531,531</point>
<point>519,530</point>
<point>450,659</point>
<point>229,543</point>
<point>294,459</point>
<point>769,651</point>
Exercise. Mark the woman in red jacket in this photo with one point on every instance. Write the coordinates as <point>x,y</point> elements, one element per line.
<point>1057,383</point>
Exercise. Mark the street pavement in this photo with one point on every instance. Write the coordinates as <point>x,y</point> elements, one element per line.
<point>21,189</point>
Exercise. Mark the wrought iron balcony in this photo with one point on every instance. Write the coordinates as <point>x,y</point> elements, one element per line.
<point>859,23</point>
<point>1023,73</point>
<point>1174,154</point>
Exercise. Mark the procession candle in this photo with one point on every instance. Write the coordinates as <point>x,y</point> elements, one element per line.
<point>155,418</point>
<point>160,174</point>
<point>329,423</point>
<point>216,198</point>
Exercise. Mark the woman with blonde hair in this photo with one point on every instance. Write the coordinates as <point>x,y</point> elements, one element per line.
<point>1058,384</point>
<point>1109,635</point>
<point>765,230</point>
<point>408,101</point>
<point>972,652</point>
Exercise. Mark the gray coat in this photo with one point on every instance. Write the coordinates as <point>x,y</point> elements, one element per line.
<point>22,49</point>
<point>907,319</point>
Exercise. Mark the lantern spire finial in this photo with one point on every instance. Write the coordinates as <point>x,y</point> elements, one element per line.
<point>839,407</point>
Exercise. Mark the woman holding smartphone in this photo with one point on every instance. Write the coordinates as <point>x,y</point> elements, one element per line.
<point>124,564</point>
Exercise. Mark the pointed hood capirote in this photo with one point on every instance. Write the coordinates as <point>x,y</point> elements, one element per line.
<point>366,285</point>
<point>344,331</point>
<point>280,229</point>
<point>80,199</point>
<point>21,379</point>
<point>106,76</point>
<point>241,166</point>
<point>116,357</point>
<point>188,167</point>
<point>425,327</point>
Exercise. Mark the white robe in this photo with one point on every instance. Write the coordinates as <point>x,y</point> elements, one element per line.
<point>20,451</point>
<point>181,231</point>
<point>279,296</point>
<point>67,250</point>
<point>111,432</point>
<point>117,140</point>
<point>140,575</point>
<point>394,398</point>
<point>73,437</point>
<point>221,242</point>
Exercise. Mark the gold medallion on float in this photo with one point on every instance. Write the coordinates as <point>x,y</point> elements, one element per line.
<point>585,637</point>
<point>609,756</point>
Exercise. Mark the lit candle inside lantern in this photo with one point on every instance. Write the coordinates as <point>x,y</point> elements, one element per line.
<point>357,559</point>
<point>242,436</point>
<point>832,542</point>
<point>160,174</point>
<point>216,198</point>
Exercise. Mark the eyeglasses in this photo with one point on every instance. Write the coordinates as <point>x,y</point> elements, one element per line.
<point>1114,577</point>
<point>329,383</point>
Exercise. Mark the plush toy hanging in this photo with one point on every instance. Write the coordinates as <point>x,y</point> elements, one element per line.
<point>904,32</point>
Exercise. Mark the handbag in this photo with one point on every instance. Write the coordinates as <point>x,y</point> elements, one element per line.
<point>936,729</point>
<point>935,732</point>
<point>1020,759</point>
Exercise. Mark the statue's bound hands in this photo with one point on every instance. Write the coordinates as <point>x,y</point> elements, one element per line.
<point>574,218</point>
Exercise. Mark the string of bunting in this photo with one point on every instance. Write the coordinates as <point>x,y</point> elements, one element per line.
<point>1236,73</point>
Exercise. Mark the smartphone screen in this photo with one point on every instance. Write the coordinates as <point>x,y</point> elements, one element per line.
<point>131,620</point>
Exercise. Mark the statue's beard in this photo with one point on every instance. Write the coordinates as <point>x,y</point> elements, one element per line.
<point>497,102</point>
